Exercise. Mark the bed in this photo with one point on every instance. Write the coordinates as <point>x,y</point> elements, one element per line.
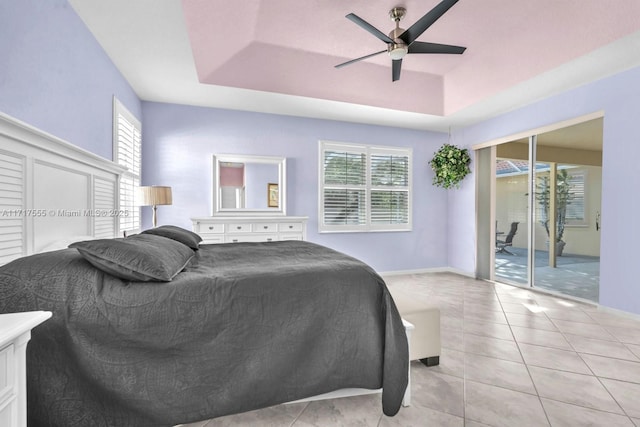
<point>237,327</point>
<point>242,326</point>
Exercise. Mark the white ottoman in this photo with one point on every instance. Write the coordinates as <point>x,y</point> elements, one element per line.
<point>424,344</point>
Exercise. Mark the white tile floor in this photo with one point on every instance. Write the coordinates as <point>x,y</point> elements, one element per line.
<point>510,357</point>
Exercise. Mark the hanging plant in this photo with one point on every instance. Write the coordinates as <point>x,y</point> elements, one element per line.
<point>450,165</point>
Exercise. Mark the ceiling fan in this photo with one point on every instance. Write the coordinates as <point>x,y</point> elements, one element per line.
<point>401,42</point>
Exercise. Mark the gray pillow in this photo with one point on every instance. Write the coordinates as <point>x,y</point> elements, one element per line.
<point>142,258</point>
<point>183,236</point>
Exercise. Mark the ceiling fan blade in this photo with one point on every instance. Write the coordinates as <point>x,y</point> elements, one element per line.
<point>395,69</point>
<point>359,59</point>
<point>424,47</point>
<point>370,28</point>
<point>421,25</point>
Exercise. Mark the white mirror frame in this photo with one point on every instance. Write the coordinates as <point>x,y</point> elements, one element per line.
<point>281,162</point>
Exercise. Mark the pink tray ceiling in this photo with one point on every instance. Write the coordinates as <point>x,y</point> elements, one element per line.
<point>291,47</point>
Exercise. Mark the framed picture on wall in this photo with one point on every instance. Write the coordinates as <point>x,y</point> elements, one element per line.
<point>272,195</point>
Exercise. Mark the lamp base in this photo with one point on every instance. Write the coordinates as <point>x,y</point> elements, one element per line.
<point>155,216</point>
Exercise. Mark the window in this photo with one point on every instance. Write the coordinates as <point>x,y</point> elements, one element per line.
<point>127,138</point>
<point>364,188</point>
<point>570,194</point>
<point>576,206</point>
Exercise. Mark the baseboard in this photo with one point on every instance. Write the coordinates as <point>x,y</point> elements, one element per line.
<point>619,312</point>
<point>428,270</point>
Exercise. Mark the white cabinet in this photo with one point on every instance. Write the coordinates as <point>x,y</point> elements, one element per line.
<point>15,333</point>
<point>235,229</point>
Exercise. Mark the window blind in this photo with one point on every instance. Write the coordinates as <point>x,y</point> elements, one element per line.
<point>12,197</point>
<point>127,153</point>
<point>576,207</point>
<point>390,189</point>
<point>344,188</point>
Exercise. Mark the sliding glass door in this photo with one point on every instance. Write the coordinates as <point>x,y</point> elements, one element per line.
<point>511,217</point>
<point>546,192</point>
<point>571,264</point>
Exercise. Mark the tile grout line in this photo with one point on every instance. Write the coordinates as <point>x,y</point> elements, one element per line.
<point>589,366</point>
<point>595,322</point>
<point>464,359</point>
<point>295,420</point>
<point>551,320</point>
<point>526,365</point>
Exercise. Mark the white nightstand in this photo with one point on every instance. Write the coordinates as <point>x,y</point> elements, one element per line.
<point>15,333</point>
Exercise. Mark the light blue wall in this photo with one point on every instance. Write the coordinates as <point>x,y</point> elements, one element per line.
<point>619,97</point>
<point>55,76</point>
<point>178,142</point>
<point>257,177</point>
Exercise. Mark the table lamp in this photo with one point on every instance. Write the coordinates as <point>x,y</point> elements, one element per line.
<point>155,195</point>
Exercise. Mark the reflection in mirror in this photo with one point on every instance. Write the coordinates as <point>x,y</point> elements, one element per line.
<point>249,185</point>
<point>232,185</point>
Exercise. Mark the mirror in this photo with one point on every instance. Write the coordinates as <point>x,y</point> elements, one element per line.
<point>249,185</point>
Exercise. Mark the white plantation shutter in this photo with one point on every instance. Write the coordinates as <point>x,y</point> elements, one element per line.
<point>345,188</point>
<point>12,197</point>
<point>127,149</point>
<point>389,188</point>
<point>364,188</point>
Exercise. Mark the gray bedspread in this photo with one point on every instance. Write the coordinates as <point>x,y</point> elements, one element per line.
<point>245,326</point>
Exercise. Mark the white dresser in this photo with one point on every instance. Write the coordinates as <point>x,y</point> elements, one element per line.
<point>234,229</point>
<point>15,333</point>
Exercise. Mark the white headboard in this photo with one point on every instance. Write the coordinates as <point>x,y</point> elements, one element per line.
<point>51,190</point>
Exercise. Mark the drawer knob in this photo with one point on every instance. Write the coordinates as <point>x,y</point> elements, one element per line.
<point>266,227</point>
<point>235,240</point>
<point>291,226</point>
<point>269,239</point>
<point>211,227</point>
<point>239,227</point>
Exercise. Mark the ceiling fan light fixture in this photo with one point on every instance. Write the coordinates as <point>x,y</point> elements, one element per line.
<point>398,51</point>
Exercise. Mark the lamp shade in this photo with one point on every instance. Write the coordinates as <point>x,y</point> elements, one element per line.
<point>155,195</point>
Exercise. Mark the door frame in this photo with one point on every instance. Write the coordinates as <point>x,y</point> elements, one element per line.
<point>485,241</point>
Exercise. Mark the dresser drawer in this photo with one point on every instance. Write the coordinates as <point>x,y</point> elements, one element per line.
<point>265,227</point>
<point>292,227</point>
<point>7,380</point>
<point>238,228</point>
<point>238,238</point>
<point>204,227</point>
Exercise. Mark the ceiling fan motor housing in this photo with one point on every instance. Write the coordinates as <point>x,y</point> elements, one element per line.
<point>398,49</point>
